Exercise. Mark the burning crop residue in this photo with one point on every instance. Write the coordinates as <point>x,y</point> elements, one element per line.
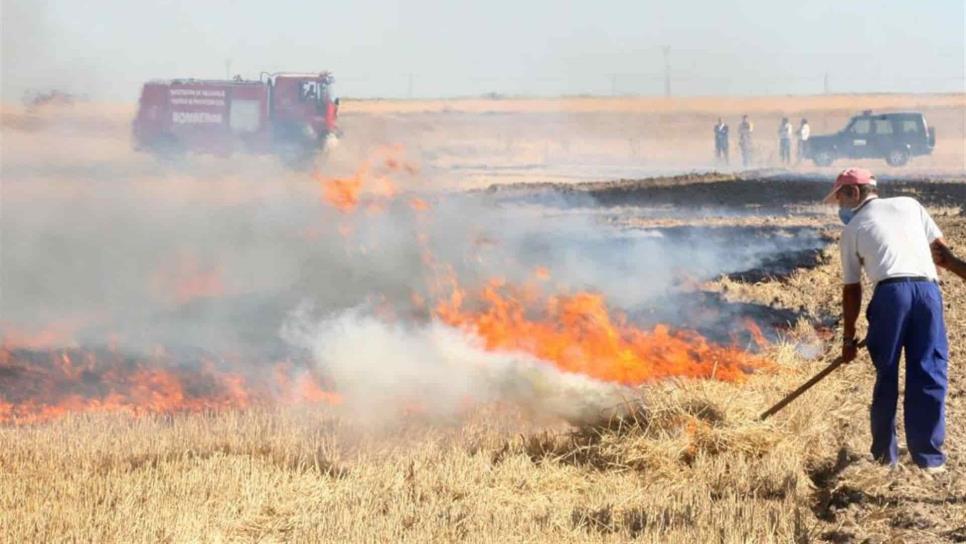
<point>40,385</point>
<point>404,314</point>
<point>562,351</point>
<point>343,193</point>
<point>374,176</point>
<point>578,333</point>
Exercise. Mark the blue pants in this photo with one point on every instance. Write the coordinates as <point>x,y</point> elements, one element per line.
<point>909,315</point>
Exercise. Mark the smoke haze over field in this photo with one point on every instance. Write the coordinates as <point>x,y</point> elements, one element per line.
<point>246,260</point>
<point>411,287</point>
<point>106,48</point>
<point>214,261</point>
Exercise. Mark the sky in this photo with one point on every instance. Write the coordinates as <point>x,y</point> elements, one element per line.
<point>105,49</point>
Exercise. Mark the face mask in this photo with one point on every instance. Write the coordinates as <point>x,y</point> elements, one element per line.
<point>846,215</point>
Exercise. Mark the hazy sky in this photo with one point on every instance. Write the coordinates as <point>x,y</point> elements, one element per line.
<point>107,48</point>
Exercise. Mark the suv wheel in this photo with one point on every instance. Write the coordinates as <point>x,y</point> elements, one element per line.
<point>823,158</point>
<point>897,157</point>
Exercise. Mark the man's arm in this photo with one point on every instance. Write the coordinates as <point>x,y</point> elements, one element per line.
<point>944,257</point>
<point>851,304</point>
<point>957,266</point>
<point>851,292</point>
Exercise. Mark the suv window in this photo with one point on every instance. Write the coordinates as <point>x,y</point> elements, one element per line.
<point>883,126</point>
<point>912,126</point>
<point>860,126</point>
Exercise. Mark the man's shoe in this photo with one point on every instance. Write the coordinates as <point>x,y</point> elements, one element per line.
<point>938,469</point>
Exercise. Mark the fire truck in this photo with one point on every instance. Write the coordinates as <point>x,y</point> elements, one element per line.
<point>289,114</point>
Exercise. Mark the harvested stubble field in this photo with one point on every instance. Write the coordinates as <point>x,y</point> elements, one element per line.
<point>689,462</point>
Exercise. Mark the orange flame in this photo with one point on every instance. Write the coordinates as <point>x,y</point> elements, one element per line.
<point>755,331</point>
<point>373,177</point>
<point>579,334</point>
<point>38,386</point>
<point>343,194</point>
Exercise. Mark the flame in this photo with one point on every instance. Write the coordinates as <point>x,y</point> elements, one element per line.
<point>374,177</point>
<point>579,334</point>
<point>755,331</point>
<point>303,387</point>
<point>39,386</point>
<point>343,193</point>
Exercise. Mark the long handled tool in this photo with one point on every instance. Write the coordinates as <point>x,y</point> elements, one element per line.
<point>806,386</point>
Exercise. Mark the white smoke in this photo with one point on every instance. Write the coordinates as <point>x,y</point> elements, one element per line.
<point>383,368</point>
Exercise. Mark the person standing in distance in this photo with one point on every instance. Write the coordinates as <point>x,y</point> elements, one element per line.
<point>744,140</point>
<point>785,141</point>
<point>721,141</point>
<point>803,134</point>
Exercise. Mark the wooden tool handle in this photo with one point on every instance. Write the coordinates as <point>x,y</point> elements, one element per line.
<point>806,386</point>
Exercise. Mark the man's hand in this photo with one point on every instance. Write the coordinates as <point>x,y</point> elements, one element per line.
<point>850,349</point>
<point>941,255</point>
<point>944,258</point>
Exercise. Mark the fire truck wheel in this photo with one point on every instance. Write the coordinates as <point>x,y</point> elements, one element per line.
<point>295,155</point>
<point>168,148</point>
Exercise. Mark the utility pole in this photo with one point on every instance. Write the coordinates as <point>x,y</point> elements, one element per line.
<point>613,84</point>
<point>826,82</point>
<point>667,71</point>
<point>227,68</point>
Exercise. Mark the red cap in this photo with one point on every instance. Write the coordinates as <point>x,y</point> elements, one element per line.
<point>850,176</point>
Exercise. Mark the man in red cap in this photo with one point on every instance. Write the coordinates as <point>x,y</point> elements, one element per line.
<point>890,238</point>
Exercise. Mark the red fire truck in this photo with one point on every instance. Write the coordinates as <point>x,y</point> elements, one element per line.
<point>289,114</point>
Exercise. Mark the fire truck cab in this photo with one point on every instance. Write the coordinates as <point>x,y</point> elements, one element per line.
<point>289,114</point>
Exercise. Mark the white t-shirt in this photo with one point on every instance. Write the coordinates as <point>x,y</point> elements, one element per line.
<point>889,238</point>
<point>804,132</point>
